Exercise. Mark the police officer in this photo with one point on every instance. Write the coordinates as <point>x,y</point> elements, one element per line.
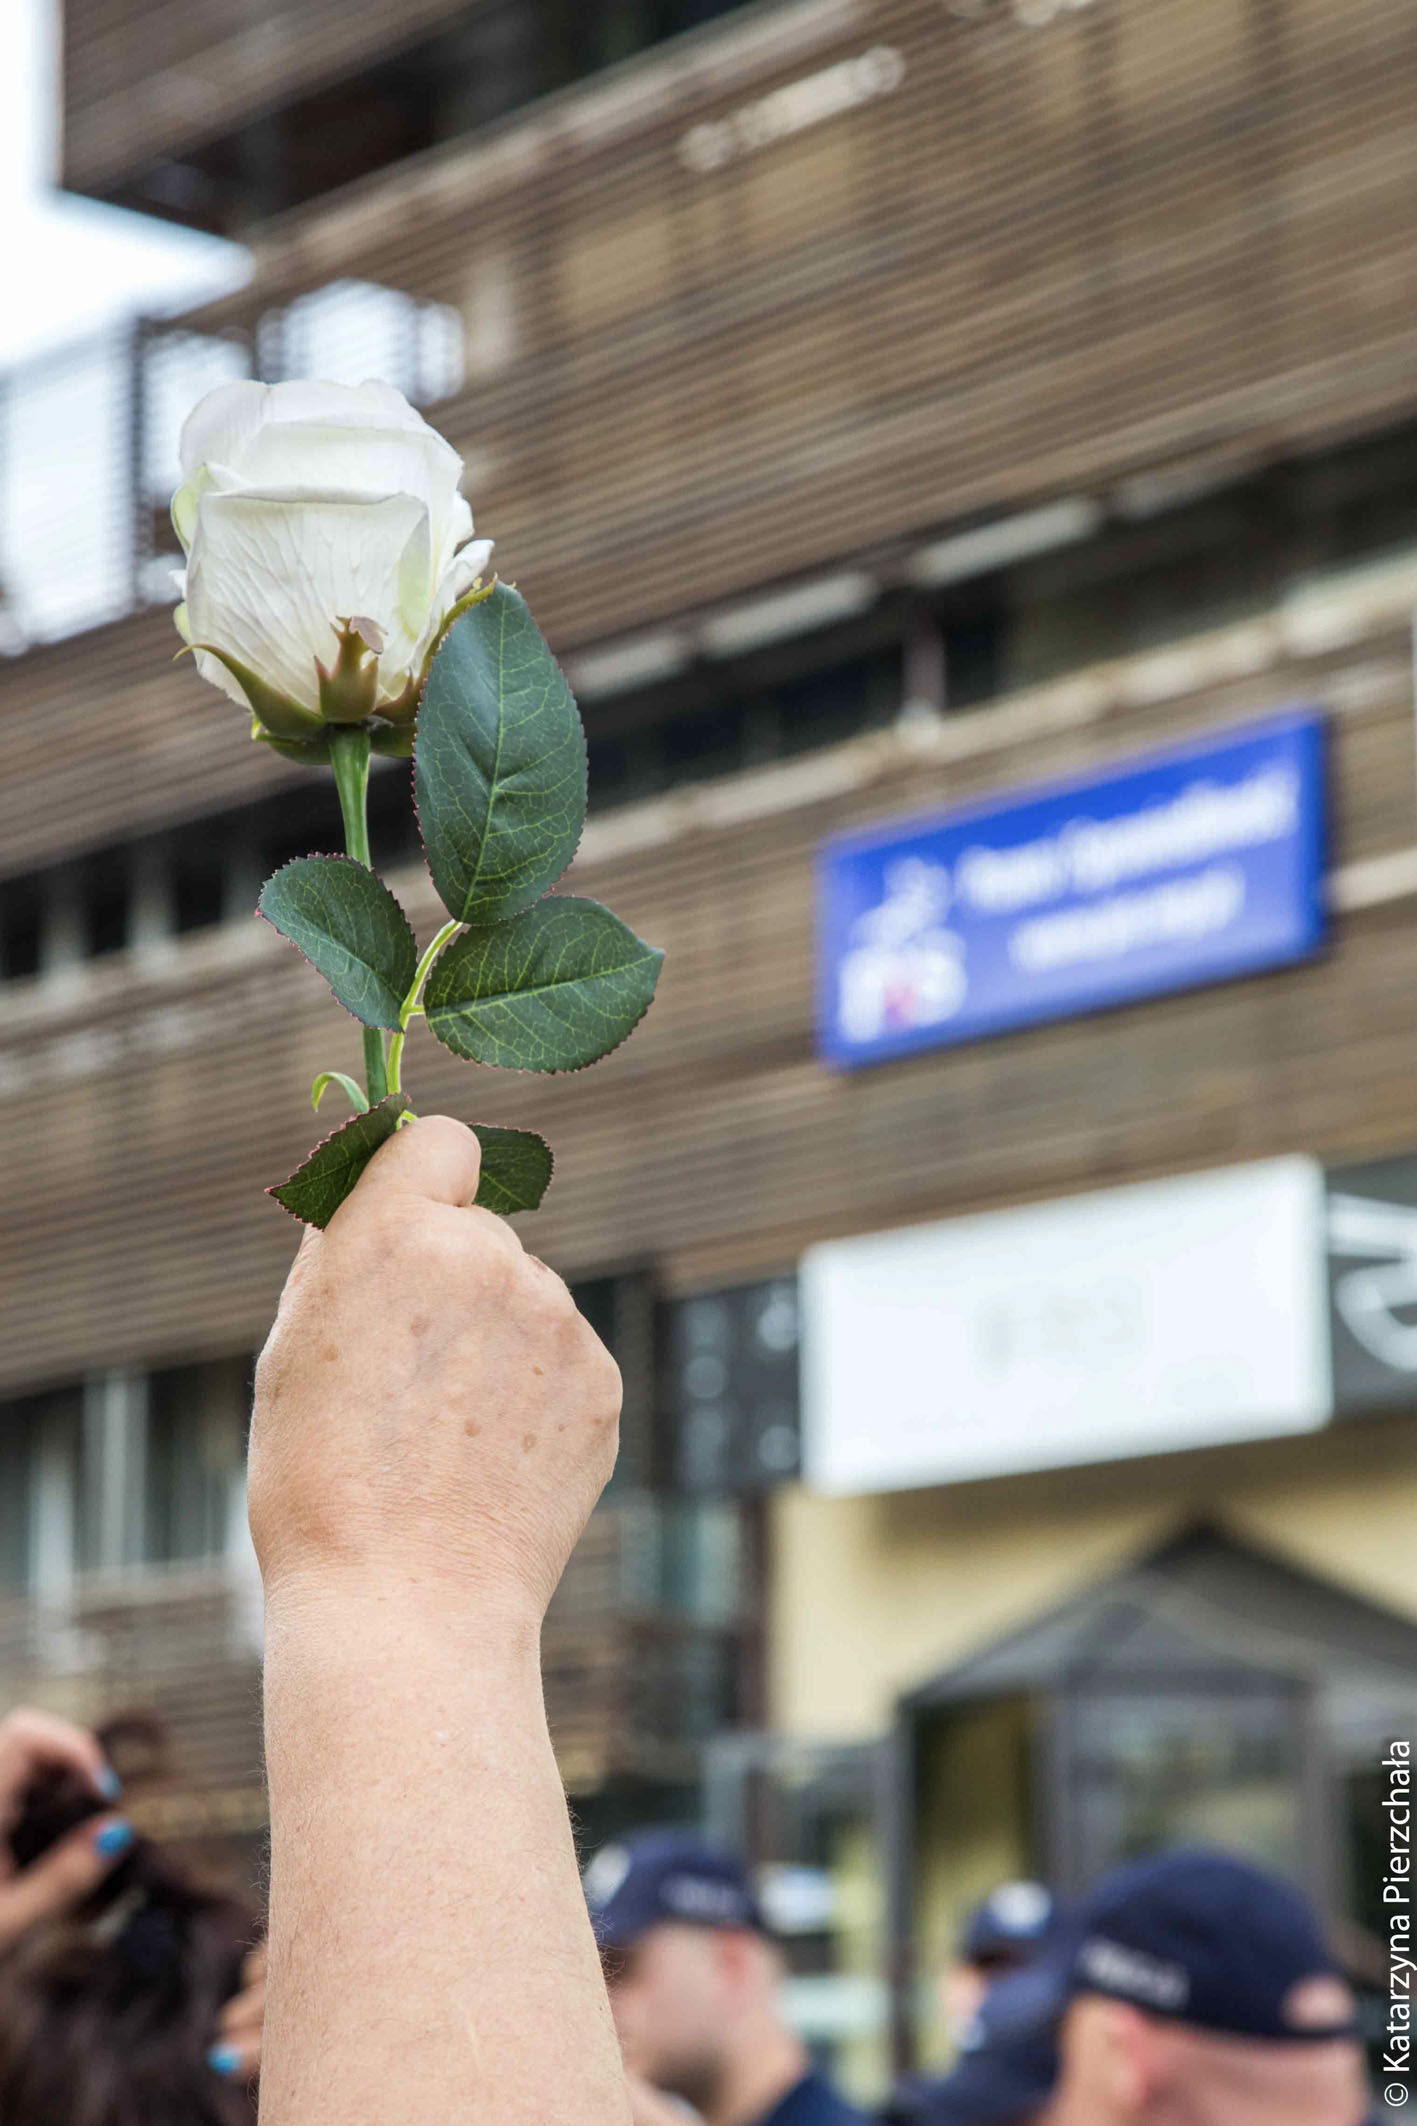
<point>1007,1930</point>
<point>1008,2064</point>
<point>695,1980</point>
<point>1190,1987</point>
<point>1004,1933</point>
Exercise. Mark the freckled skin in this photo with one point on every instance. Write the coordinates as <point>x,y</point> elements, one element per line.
<point>329,1354</point>
<point>492,1315</point>
<point>409,1553</point>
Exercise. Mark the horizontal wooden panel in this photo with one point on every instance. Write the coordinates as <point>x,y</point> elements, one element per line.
<point>625,1690</point>
<point>141,1120</point>
<point>151,78</point>
<point>1045,259</point>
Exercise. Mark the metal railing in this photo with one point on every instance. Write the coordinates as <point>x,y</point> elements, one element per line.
<point>89,439</point>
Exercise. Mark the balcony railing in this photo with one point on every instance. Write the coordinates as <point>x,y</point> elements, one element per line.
<point>89,439</point>
<point>637,1679</point>
<point>182,1644</point>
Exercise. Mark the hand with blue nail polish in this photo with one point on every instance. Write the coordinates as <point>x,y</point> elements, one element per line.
<point>32,1743</point>
<point>113,1837</point>
<point>237,2054</point>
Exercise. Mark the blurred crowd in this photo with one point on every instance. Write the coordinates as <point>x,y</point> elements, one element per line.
<point>1190,1988</point>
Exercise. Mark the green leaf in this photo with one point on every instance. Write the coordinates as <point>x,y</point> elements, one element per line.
<point>499,763</point>
<point>516,1165</point>
<point>349,926</point>
<point>353,1093</point>
<point>516,1168</point>
<point>553,989</point>
<point>317,1188</point>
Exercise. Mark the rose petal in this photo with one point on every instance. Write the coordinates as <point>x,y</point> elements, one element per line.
<point>467,565</point>
<point>219,424</point>
<point>342,405</point>
<point>287,458</point>
<point>267,580</point>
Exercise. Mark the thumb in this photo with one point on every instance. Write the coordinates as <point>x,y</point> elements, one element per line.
<point>436,1158</point>
<point>63,1876</point>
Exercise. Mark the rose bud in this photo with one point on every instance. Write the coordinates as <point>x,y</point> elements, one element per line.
<point>326,545</point>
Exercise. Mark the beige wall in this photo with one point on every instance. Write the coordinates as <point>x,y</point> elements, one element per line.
<point>870,1596</point>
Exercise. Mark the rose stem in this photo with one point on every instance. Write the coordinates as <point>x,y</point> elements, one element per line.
<point>349,757</point>
<point>411,1005</point>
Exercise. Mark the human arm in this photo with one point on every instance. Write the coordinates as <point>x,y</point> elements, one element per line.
<point>434,1421</point>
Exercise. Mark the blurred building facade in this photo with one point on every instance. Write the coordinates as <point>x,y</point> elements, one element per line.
<point>886,405</point>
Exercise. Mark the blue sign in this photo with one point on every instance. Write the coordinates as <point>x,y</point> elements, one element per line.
<point>1185,867</point>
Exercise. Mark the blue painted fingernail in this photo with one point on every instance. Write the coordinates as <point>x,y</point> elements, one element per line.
<point>225,2059</point>
<point>114,1838</point>
<point>109,1784</point>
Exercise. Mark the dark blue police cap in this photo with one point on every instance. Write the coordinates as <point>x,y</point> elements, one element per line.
<point>1210,1940</point>
<point>1011,1924</point>
<point>659,1877</point>
<point>1197,1936</point>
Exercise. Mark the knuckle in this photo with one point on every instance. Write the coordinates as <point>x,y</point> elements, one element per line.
<point>604,1386</point>
<point>498,1269</point>
<point>549,1299</point>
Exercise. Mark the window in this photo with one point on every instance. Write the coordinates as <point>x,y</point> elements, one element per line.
<point>721,720</point>
<point>21,928</point>
<point>41,1503</point>
<point>1138,583</point>
<point>194,1460</point>
<point>200,859</point>
<point>125,1470</point>
<point>104,903</point>
<point>491,60</point>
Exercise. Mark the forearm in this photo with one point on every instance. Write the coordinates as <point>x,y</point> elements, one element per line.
<point>431,1959</point>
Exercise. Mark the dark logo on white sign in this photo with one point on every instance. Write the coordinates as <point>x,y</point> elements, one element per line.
<point>1372,1274</point>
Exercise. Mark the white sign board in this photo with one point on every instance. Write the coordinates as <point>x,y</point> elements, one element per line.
<point>1171,1314</point>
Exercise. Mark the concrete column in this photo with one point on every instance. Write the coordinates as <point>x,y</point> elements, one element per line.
<point>114,1468</point>
<point>152,917</point>
<point>61,945</point>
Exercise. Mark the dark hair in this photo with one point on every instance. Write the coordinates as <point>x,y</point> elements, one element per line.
<point>107,2015</point>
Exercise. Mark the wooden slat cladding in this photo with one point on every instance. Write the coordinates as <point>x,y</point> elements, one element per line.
<point>1045,257</point>
<point>144,78</point>
<point>626,1687</point>
<point>140,1120</point>
<point>103,737</point>
<point>1048,259</point>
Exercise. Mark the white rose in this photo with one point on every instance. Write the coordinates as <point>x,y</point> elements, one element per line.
<point>304,506</point>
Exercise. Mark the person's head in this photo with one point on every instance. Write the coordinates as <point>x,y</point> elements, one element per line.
<point>1008,2061</point>
<point>1197,1990</point>
<point>1122,2066</point>
<point>692,1973</point>
<point>1004,1932</point>
<point>107,2015</point>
